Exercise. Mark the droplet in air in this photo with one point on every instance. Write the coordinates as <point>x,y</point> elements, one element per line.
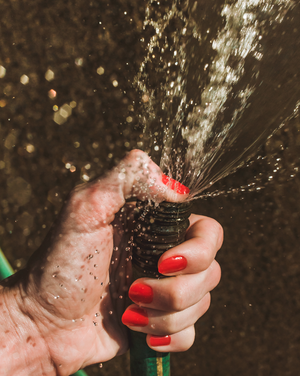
<point>24,79</point>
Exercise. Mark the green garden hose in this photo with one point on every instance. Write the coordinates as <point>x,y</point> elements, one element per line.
<point>159,228</point>
<point>5,271</point>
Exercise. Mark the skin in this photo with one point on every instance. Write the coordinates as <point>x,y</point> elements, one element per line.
<point>63,312</point>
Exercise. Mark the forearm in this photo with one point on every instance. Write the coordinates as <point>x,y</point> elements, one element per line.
<point>23,352</point>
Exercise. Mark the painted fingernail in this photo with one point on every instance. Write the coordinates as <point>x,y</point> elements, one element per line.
<point>172,265</point>
<point>160,341</point>
<point>135,317</point>
<point>175,185</point>
<point>140,293</point>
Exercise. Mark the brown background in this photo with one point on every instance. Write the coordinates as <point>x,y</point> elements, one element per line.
<point>252,327</point>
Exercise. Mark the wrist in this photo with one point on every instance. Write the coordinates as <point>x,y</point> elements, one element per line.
<point>23,351</point>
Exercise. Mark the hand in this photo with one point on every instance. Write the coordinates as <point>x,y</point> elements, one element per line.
<point>168,308</point>
<point>64,310</point>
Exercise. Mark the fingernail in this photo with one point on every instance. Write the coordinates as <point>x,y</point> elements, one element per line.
<point>172,264</point>
<point>140,293</point>
<point>160,341</point>
<point>175,185</point>
<point>135,317</point>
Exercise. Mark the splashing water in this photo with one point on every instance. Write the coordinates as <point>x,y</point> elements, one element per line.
<point>211,94</point>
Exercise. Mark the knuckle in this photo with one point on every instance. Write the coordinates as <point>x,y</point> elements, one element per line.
<point>206,302</point>
<point>190,338</point>
<point>216,273</point>
<point>177,297</point>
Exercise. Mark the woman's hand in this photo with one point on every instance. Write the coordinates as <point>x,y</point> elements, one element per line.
<point>168,308</point>
<point>63,312</point>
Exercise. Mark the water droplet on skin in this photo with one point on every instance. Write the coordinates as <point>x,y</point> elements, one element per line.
<point>97,251</point>
<point>121,297</point>
<point>95,323</point>
<point>73,320</point>
<point>101,297</point>
<point>110,312</point>
<point>56,297</point>
<point>90,256</point>
<point>54,275</point>
<point>95,265</point>
<point>97,314</point>
<point>101,283</point>
<point>100,365</point>
<point>82,319</point>
<point>91,273</point>
<point>153,326</point>
<point>95,277</point>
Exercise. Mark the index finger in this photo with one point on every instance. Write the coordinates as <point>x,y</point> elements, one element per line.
<point>204,238</point>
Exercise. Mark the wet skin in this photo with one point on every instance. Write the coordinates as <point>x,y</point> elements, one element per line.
<point>64,311</point>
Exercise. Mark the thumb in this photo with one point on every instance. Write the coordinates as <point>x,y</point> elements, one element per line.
<point>135,176</point>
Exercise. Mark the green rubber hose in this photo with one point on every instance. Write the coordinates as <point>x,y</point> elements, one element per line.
<point>5,271</point>
<point>158,228</point>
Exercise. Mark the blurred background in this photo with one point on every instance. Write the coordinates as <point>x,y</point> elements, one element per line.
<point>68,112</point>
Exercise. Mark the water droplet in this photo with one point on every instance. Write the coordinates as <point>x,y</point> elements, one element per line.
<point>95,323</point>
<point>90,273</point>
<point>82,319</point>
<point>56,297</point>
<point>54,275</point>
<point>97,314</point>
<point>95,265</point>
<point>97,251</point>
<point>73,320</point>
<point>110,312</point>
<point>100,365</point>
<point>90,256</point>
<point>101,283</point>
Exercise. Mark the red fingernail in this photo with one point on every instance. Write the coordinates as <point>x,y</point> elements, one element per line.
<point>135,317</point>
<point>172,264</point>
<point>160,341</point>
<point>175,185</point>
<point>141,293</point>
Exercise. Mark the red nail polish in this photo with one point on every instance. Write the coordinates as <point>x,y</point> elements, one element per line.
<point>172,264</point>
<point>175,185</point>
<point>140,293</point>
<point>135,316</point>
<point>160,341</point>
